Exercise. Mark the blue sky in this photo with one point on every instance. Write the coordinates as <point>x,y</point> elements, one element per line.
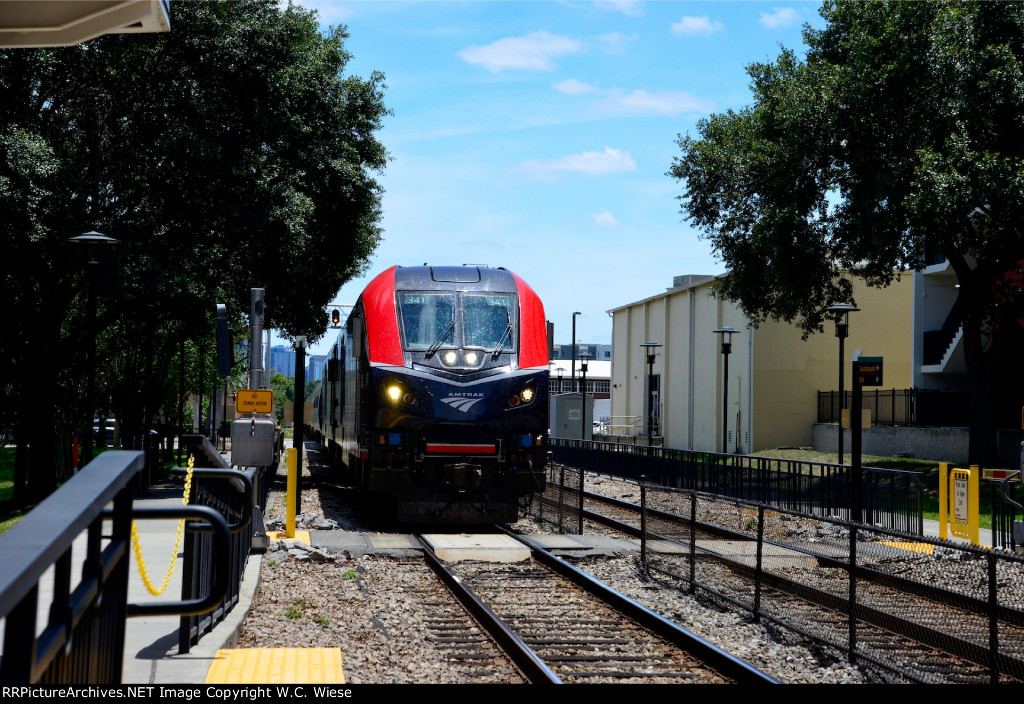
<point>536,135</point>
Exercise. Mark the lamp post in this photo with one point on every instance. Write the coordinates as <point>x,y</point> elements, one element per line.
<point>583,396</point>
<point>572,378</point>
<point>726,334</point>
<point>842,312</point>
<point>651,348</point>
<point>93,242</point>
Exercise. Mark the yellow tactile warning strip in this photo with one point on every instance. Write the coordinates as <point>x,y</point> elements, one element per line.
<point>276,666</point>
<point>301,536</point>
<point>924,548</point>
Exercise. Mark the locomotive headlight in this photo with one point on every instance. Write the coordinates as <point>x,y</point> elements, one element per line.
<point>526,394</point>
<point>471,358</point>
<point>394,391</point>
<point>450,357</point>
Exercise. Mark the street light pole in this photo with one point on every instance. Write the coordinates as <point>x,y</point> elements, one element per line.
<point>92,241</point>
<point>572,378</point>
<point>583,396</point>
<point>651,348</point>
<point>842,312</point>
<point>726,333</point>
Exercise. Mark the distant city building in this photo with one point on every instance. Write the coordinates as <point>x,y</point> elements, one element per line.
<point>600,353</point>
<point>282,360</point>
<point>315,368</point>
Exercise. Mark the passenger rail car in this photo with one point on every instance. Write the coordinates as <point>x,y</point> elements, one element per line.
<point>436,393</point>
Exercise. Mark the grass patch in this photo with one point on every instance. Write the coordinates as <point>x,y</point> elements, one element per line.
<point>296,609</point>
<point>9,512</point>
<point>351,574</point>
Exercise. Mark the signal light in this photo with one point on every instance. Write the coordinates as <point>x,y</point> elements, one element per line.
<point>513,401</point>
<point>335,317</point>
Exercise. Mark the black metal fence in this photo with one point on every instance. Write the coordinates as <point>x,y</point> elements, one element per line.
<point>238,495</point>
<point>890,498</point>
<point>81,639</point>
<point>76,635</point>
<point>856,585</point>
<point>910,407</point>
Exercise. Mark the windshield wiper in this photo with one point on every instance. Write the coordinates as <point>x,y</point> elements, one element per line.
<point>440,340</point>
<point>501,342</point>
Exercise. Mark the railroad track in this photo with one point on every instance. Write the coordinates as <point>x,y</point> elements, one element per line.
<point>903,626</point>
<point>561,626</point>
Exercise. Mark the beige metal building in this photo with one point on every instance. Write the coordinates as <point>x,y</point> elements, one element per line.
<point>774,375</point>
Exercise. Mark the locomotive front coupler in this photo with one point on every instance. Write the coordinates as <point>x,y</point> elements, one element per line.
<point>462,476</point>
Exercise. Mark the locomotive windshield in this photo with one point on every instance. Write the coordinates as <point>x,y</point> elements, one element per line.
<point>486,321</point>
<point>428,320</point>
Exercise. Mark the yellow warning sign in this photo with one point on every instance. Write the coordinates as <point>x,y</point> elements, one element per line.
<point>254,401</point>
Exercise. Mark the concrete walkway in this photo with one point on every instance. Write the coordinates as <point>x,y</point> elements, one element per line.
<point>151,642</point>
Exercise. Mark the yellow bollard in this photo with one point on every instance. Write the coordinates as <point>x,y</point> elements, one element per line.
<point>293,480</point>
<point>943,492</point>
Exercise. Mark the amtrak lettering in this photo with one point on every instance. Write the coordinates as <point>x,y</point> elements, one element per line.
<point>462,401</point>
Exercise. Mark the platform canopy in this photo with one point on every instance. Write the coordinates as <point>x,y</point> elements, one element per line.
<point>30,23</point>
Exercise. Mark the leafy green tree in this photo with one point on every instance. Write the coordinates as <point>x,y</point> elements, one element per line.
<point>284,390</point>
<point>232,152</point>
<point>897,138</point>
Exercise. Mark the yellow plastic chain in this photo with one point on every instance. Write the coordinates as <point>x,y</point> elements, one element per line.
<point>137,547</point>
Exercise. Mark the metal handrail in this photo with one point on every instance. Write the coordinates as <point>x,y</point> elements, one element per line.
<point>234,475</point>
<point>189,607</point>
<point>39,539</point>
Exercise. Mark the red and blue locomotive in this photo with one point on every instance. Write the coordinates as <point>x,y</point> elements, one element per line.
<point>436,393</point>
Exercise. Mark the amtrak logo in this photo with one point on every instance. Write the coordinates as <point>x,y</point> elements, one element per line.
<point>462,402</point>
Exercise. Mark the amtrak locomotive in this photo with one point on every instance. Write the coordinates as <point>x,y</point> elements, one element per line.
<point>436,393</point>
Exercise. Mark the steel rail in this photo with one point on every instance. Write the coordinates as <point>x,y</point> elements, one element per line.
<point>945,642</point>
<point>928,591</point>
<point>723,662</point>
<point>528,662</point>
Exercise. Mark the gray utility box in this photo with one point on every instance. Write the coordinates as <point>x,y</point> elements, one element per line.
<point>252,442</point>
<point>572,416</point>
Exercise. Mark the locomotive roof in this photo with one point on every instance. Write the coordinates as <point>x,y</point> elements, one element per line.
<point>454,278</point>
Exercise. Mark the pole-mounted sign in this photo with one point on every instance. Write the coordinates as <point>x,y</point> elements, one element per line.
<point>868,371</point>
<point>254,401</point>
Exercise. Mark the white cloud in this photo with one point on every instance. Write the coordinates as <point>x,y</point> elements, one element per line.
<point>570,86</point>
<point>604,219</point>
<point>614,42</point>
<point>641,102</point>
<point>590,163</point>
<point>779,17</point>
<point>532,52</point>
<point>633,8</point>
<point>696,25</point>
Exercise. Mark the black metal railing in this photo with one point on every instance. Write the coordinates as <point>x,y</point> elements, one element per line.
<point>81,639</point>
<point>919,578</point>
<point>909,407</point>
<point>238,495</point>
<point>891,498</point>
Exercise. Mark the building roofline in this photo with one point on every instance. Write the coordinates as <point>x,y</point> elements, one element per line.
<point>696,281</point>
